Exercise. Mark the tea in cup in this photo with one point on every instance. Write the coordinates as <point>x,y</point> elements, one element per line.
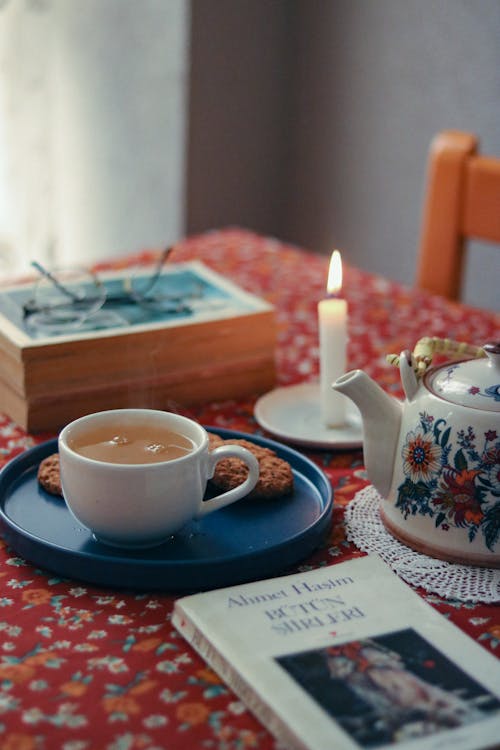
<point>136,476</point>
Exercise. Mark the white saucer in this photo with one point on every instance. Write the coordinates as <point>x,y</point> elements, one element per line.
<point>292,413</point>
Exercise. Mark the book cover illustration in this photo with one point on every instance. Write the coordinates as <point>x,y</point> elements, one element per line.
<point>190,293</point>
<point>347,656</point>
<point>390,688</point>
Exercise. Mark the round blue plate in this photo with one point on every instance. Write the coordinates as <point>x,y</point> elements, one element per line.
<point>245,541</point>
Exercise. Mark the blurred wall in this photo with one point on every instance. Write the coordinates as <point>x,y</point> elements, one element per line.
<point>240,86</point>
<point>311,120</point>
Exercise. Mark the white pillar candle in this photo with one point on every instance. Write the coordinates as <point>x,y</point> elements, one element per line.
<point>332,315</point>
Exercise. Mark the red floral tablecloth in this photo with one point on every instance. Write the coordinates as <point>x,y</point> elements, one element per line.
<point>84,667</point>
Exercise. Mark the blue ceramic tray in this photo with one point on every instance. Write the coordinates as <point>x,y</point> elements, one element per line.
<point>245,541</point>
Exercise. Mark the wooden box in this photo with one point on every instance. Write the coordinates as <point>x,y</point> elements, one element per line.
<point>219,346</point>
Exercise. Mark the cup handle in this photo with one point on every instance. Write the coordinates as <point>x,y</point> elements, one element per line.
<point>226,498</point>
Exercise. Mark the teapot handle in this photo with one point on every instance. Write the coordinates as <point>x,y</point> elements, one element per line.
<point>408,374</point>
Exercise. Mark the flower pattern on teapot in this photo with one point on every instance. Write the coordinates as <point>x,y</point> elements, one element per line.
<point>473,389</point>
<point>455,482</point>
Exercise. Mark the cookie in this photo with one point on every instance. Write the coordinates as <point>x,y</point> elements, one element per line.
<point>258,451</point>
<point>275,474</point>
<point>214,441</point>
<point>49,475</point>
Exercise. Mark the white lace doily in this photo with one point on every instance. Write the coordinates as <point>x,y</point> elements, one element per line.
<point>365,529</point>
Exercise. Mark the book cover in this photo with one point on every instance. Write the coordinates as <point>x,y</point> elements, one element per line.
<point>193,294</point>
<point>347,657</point>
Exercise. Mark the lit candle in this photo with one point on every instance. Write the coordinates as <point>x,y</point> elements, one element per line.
<point>332,314</point>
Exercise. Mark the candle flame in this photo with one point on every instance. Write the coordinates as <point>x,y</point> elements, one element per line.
<point>334,283</point>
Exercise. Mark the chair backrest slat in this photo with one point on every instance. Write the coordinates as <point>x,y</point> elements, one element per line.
<point>481,216</point>
<point>462,202</point>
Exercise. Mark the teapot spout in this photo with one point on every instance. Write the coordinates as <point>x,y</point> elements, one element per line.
<point>381,416</point>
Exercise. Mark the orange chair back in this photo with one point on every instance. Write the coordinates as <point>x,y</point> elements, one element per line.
<point>462,202</point>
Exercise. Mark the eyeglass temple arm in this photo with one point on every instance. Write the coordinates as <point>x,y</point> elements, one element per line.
<point>154,278</point>
<point>54,281</point>
<point>127,283</point>
<point>28,308</point>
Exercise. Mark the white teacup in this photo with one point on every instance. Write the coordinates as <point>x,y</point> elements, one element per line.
<point>128,503</point>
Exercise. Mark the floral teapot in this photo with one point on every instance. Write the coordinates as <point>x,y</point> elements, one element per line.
<point>435,458</point>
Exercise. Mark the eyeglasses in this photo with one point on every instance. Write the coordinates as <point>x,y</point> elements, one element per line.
<point>65,298</point>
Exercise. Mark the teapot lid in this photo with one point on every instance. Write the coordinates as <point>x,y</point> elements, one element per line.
<point>473,382</point>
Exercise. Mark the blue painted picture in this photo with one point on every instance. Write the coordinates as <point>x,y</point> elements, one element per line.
<point>77,302</point>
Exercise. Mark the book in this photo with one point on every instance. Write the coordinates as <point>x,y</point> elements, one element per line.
<point>216,341</point>
<point>347,656</point>
<point>67,401</point>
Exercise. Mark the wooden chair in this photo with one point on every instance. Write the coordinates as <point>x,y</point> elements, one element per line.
<point>462,202</point>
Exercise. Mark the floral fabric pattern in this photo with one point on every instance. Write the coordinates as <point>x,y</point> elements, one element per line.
<point>84,667</point>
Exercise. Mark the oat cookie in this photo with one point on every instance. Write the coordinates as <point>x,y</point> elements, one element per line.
<point>49,475</point>
<point>214,441</point>
<point>275,474</point>
<point>275,479</point>
<point>258,450</point>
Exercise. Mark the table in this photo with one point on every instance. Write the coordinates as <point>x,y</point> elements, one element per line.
<point>85,667</point>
